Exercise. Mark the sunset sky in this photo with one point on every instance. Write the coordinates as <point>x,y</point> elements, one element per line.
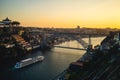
<point>63,13</point>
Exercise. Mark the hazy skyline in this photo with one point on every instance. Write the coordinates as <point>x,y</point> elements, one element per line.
<point>63,13</point>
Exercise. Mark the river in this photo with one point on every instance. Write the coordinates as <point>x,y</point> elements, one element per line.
<point>56,60</point>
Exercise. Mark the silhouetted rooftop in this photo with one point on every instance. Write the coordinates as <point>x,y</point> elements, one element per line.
<point>7,19</point>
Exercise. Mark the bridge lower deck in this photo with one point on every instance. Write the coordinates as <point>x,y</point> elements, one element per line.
<point>70,48</point>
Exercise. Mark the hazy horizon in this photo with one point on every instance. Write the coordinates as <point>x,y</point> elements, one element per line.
<point>63,13</point>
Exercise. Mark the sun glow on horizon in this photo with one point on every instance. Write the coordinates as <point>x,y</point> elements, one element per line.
<point>63,13</point>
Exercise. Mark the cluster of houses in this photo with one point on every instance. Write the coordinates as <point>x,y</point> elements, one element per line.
<point>22,43</point>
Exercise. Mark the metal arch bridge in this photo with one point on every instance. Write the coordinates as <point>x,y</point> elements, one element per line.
<point>59,37</point>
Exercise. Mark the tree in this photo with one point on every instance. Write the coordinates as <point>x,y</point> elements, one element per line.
<point>15,23</point>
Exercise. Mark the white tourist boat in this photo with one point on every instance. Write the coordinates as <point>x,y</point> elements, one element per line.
<point>28,61</point>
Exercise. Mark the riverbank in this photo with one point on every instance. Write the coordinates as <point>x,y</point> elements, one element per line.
<point>90,65</point>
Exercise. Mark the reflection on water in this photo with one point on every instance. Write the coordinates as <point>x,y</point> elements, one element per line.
<point>95,41</point>
<point>56,60</point>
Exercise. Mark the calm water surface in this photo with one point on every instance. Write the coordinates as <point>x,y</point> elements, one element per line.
<point>56,60</point>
